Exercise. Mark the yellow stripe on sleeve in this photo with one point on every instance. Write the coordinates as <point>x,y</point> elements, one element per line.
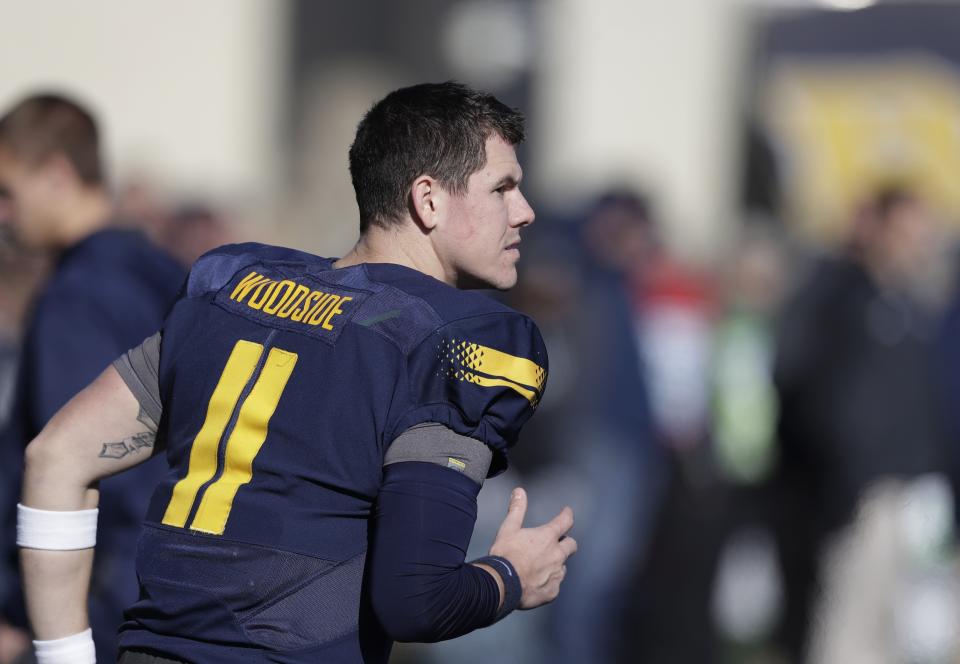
<point>497,363</point>
<point>530,395</point>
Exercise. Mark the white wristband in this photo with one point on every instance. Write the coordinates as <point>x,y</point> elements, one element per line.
<point>56,531</point>
<point>76,649</point>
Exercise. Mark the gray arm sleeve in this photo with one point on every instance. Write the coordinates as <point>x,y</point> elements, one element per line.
<point>140,369</point>
<point>435,443</point>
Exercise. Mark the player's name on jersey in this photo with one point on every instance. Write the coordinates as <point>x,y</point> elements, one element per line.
<point>288,299</point>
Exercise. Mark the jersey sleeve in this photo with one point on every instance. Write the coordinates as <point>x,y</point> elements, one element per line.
<point>434,443</point>
<point>482,377</point>
<point>139,368</point>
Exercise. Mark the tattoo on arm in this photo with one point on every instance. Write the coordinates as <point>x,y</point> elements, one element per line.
<point>133,444</point>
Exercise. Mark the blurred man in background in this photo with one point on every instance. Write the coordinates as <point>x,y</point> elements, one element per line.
<point>859,419</point>
<point>109,289</point>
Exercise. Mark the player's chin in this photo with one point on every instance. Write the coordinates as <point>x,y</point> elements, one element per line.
<point>506,279</point>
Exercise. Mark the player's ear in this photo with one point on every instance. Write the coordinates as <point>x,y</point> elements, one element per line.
<point>427,201</point>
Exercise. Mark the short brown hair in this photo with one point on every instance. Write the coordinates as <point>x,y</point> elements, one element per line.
<point>44,125</point>
<point>438,129</point>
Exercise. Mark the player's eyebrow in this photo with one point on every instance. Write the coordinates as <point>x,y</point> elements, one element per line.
<point>508,180</point>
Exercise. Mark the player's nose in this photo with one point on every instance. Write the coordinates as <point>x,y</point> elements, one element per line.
<point>523,214</point>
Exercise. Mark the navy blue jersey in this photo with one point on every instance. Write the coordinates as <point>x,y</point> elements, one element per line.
<point>283,382</point>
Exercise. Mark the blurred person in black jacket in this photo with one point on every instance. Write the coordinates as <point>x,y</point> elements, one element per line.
<point>859,403</point>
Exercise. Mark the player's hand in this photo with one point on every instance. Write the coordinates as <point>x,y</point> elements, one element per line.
<point>539,555</point>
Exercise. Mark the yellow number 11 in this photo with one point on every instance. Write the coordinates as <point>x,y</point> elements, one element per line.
<point>245,440</point>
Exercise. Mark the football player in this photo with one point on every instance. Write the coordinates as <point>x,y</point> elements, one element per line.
<point>328,425</point>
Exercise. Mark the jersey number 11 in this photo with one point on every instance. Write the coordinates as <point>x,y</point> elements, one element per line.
<point>249,410</point>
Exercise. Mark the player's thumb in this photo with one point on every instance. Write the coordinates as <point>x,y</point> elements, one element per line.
<point>516,511</point>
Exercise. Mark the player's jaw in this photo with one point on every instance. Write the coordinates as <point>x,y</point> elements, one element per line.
<point>496,269</point>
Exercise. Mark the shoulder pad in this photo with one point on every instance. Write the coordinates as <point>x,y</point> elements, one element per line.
<point>214,269</point>
<point>482,376</point>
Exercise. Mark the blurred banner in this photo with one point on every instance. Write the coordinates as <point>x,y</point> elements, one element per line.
<point>853,102</point>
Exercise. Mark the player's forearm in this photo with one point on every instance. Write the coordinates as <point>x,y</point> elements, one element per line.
<point>98,433</point>
<point>447,605</point>
<point>421,588</point>
<point>56,584</point>
<point>501,591</point>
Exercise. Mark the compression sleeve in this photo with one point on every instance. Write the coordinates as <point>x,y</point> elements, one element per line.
<point>421,588</point>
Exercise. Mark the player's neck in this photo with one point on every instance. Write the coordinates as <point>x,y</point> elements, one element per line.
<point>394,245</point>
